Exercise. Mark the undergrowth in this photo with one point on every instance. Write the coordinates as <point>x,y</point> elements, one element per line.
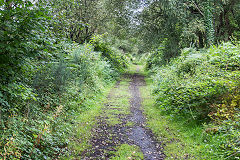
<point>179,140</point>
<point>200,90</point>
<point>41,105</point>
<point>84,122</point>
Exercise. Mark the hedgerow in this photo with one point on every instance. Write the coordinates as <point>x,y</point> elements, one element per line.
<point>116,58</point>
<point>38,108</point>
<point>204,86</point>
<point>46,79</point>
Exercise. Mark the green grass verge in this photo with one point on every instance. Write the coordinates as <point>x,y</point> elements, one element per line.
<point>86,121</point>
<point>182,141</point>
<point>140,68</point>
<point>119,103</point>
<point>127,152</point>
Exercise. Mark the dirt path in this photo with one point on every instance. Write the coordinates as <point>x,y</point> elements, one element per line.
<point>122,122</point>
<point>141,136</point>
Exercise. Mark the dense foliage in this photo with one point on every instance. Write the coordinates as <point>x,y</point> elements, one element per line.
<point>37,110</point>
<point>194,84</point>
<point>199,86</point>
<point>46,78</point>
<point>187,23</point>
<point>114,56</point>
<point>203,86</point>
<point>56,55</point>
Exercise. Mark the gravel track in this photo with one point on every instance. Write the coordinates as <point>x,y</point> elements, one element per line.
<point>107,137</point>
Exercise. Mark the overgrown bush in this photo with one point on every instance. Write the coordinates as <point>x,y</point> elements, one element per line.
<point>155,59</point>
<point>168,49</point>
<point>203,86</point>
<point>40,96</point>
<point>45,81</point>
<point>114,56</point>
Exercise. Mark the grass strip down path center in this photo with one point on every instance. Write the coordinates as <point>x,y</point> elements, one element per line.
<point>120,132</point>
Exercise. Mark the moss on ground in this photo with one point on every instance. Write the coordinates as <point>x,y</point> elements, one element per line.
<point>118,104</point>
<point>86,121</point>
<point>127,152</point>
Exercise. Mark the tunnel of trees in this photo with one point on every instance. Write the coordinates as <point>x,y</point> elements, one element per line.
<point>57,55</point>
